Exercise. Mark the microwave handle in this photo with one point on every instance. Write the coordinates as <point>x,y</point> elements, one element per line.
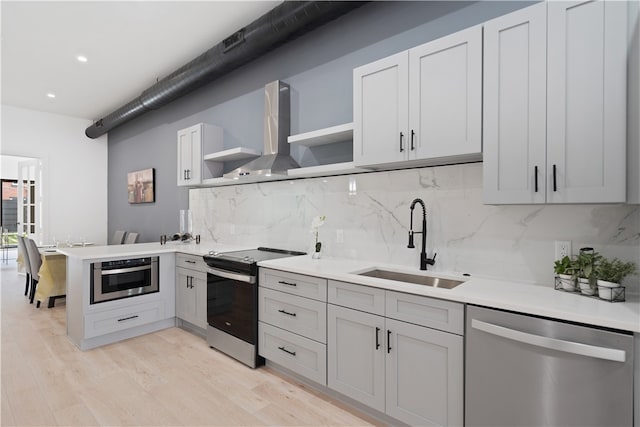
<point>125,270</point>
<point>232,276</point>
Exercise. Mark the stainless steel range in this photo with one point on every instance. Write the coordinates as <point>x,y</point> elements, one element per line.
<point>232,301</point>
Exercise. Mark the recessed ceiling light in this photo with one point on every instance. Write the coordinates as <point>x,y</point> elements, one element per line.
<point>51,95</point>
<point>81,58</point>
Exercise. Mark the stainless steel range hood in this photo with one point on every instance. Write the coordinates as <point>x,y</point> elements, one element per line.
<point>275,159</point>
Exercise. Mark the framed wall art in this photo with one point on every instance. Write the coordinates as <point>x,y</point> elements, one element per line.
<point>141,186</point>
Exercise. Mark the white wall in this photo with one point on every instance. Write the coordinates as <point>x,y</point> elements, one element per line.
<point>75,200</point>
<point>9,166</point>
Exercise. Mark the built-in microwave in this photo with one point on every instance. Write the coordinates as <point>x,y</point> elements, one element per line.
<point>111,280</point>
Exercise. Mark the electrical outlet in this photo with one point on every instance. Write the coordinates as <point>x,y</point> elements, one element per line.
<point>563,248</point>
<point>339,236</point>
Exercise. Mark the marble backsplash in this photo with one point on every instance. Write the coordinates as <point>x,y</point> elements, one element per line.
<point>371,212</point>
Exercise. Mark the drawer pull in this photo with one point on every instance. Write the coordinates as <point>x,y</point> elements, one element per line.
<point>127,318</point>
<point>189,261</point>
<point>287,283</point>
<point>293,353</point>
<point>287,313</point>
<point>377,338</point>
<point>388,341</point>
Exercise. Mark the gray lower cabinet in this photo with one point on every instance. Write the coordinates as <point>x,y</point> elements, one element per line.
<point>411,372</point>
<point>356,355</point>
<point>292,322</point>
<point>425,378</point>
<point>191,290</point>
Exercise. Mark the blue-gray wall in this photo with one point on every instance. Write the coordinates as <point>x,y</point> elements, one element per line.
<point>318,67</point>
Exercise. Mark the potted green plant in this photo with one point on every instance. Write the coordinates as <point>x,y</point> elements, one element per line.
<point>587,263</point>
<point>565,268</point>
<point>610,274</point>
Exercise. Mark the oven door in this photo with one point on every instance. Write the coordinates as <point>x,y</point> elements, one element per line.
<point>115,283</point>
<point>232,301</point>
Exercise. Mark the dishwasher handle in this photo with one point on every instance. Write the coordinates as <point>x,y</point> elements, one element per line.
<point>551,343</point>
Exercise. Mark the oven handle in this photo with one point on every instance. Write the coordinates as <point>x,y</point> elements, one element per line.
<point>125,270</point>
<point>232,276</point>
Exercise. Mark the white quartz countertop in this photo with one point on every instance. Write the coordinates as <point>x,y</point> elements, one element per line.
<point>508,295</point>
<point>144,249</point>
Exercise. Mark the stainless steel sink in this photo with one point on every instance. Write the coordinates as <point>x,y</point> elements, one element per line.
<point>435,282</point>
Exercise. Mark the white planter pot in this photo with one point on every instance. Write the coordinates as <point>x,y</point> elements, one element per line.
<point>568,282</point>
<point>606,289</point>
<point>585,286</point>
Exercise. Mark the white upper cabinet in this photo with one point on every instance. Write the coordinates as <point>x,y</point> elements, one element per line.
<point>515,74</point>
<point>192,143</point>
<point>555,104</point>
<point>586,101</point>
<point>445,97</point>
<point>380,111</point>
<point>421,106</point>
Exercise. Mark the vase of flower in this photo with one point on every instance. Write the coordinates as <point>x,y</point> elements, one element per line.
<point>315,225</point>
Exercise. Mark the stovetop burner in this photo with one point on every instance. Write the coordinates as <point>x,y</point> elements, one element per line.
<point>245,261</point>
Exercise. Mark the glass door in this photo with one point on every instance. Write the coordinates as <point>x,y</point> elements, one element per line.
<point>30,199</point>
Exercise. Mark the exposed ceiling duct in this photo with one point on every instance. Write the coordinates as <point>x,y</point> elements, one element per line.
<point>280,25</point>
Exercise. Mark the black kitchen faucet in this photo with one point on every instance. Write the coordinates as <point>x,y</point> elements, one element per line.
<point>423,254</point>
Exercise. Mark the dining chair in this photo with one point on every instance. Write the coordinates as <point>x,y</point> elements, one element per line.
<point>118,237</point>
<point>131,238</point>
<point>35,260</point>
<point>22,248</point>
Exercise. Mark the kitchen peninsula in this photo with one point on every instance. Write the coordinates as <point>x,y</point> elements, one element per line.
<point>94,324</point>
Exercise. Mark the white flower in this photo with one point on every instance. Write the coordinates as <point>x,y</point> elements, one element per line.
<point>317,223</point>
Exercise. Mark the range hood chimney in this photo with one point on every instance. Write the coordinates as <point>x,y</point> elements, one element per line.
<point>275,159</point>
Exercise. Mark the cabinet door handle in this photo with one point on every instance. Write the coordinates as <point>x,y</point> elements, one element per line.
<point>388,341</point>
<point>184,174</point>
<point>413,134</point>
<point>555,184</point>
<point>377,338</point>
<point>287,283</point>
<point>401,146</point>
<point>287,313</point>
<point>127,318</point>
<point>188,173</point>
<point>535,178</point>
<point>293,353</point>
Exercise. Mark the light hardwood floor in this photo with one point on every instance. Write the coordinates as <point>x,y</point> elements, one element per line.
<point>169,377</point>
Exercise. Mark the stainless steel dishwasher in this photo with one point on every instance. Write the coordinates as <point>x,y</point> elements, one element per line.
<point>531,371</point>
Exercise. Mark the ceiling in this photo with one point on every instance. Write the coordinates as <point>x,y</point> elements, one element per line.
<point>128,46</point>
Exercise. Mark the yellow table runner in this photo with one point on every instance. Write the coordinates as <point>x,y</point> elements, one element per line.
<point>20,262</point>
<point>53,276</point>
